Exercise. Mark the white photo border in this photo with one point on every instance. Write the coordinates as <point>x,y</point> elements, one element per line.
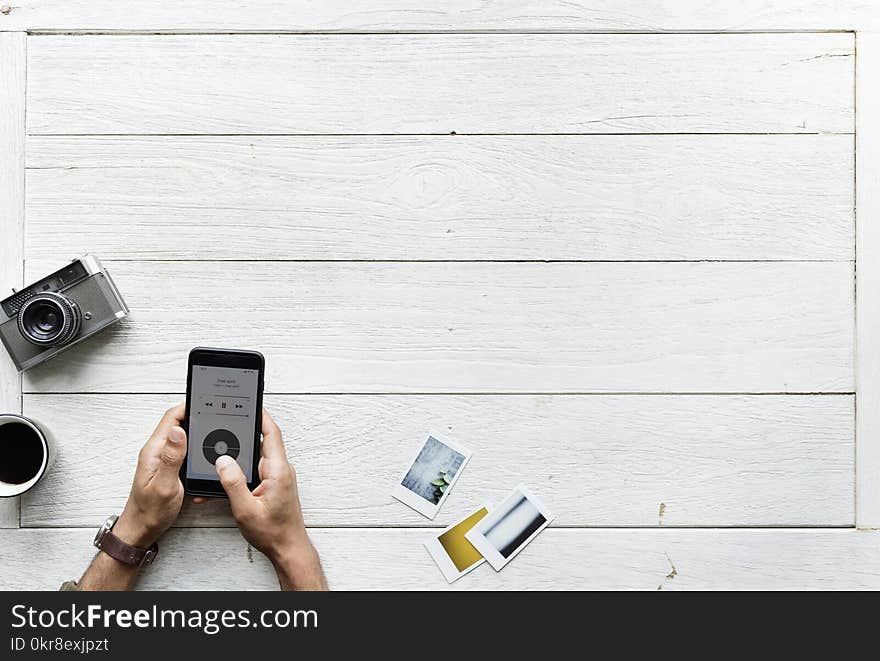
<point>441,557</point>
<point>415,501</point>
<point>477,537</point>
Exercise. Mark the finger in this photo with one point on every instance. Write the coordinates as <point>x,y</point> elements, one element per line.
<point>198,500</point>
<point>171,418</point>
<point>273,445</point>
<point>171,456</point>
<point>235,485</point>
<point>268,469</point>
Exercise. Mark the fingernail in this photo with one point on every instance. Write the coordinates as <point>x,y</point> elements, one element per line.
<point>177,435</point>
<point>223,460</point>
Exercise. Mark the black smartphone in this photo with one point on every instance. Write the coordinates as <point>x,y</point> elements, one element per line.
<point>224,415</point>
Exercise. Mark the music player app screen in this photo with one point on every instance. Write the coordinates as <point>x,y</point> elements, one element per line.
<point>221,419</point>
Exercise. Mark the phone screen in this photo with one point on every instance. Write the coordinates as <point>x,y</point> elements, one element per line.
<point>222,419</point>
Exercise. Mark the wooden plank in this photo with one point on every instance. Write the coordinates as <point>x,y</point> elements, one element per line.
<point>558,559</point>
<point>12,146</point>
<point>433,15</point>
<point>478,327</point>
<point>411,198</point>
<point>868,282</point>
<point>600,460</point>
<point>526,83</point>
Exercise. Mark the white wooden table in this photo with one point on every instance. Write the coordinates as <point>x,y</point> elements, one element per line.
<point>612,246</point>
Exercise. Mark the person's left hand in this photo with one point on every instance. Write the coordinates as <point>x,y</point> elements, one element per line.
<point>156,492</point>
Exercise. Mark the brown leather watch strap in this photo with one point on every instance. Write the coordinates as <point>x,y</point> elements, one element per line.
<point>120,550</point>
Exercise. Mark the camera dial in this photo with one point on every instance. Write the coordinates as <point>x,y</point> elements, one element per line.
<point>49,319</point>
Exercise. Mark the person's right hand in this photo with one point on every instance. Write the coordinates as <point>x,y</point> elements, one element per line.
<point>270,518</point>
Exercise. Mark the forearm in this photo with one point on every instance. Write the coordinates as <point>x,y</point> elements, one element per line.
<point>299,568</point>
<point>107,573</point>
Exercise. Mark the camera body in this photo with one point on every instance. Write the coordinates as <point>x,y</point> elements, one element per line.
<point>54,313</point>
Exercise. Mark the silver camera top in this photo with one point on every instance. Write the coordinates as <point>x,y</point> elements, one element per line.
<point>58,311</point>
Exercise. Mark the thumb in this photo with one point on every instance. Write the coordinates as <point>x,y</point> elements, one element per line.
<point>171,456</point>
<point>234,483</point>
<point>175,448</point>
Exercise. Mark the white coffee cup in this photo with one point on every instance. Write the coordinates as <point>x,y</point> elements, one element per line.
<point>25,454</point>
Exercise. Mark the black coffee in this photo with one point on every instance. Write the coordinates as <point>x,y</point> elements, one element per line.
<point>21,453</point>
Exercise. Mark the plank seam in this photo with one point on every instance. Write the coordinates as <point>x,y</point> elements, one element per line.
<point>450,134</point>
<point>13,97</point>
<point>23,234</point>
<point>553,526</point>
<point>855,235</point>
<point>518,393</point>
<point>55,32</point>
<point>867,239</point>
<point>480,261</point>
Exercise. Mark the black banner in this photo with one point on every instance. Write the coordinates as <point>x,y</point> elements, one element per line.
<point>422,625</point>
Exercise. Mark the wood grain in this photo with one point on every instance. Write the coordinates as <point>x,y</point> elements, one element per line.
<point>395,559</point>
<point>868,280</point>
<point>12,163</point>
<point>626,319</point>
<point>449,198</point>
<point>497,83</point>
<point>477,327</point>
<point>437,15</point>
<point>598,460</point>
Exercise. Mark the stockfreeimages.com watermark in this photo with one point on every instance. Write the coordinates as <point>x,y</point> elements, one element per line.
<point>209,622</point>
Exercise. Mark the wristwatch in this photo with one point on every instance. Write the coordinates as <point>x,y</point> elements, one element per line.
<point>122,551</point>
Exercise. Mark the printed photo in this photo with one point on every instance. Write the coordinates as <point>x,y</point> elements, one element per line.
<point>453,553</point>
<point>509,528</point>
<point>429,479</point>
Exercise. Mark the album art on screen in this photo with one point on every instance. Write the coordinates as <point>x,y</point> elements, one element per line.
<point>431,476</point>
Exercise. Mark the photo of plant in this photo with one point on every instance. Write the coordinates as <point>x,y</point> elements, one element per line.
<point>433,470</point>
<point>440,484</point>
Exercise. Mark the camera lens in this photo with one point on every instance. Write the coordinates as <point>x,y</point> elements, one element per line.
<point>49,319</point>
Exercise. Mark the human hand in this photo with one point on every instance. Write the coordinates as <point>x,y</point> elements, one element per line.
<point>156,492</point>
<point>270,518</point>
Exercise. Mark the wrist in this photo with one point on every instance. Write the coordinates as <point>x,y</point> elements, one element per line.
<point>131,529</point>
<point>299,567</point>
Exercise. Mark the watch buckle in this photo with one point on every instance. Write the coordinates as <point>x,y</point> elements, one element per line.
<point>149,556</point>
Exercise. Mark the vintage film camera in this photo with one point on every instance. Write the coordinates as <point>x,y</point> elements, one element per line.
<point>56,312</point>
